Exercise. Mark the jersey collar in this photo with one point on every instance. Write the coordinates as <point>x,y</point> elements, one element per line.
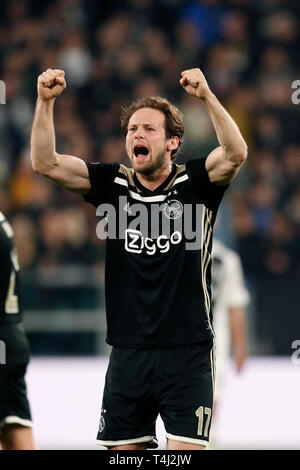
<point>160,188</point>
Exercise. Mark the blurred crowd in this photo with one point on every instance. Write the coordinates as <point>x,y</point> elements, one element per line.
<point>115,51</point>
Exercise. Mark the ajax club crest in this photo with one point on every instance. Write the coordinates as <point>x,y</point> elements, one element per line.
<point>172,209</point>
<point>102,421</point>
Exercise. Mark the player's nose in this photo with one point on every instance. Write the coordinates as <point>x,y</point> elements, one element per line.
<point>139,133</point>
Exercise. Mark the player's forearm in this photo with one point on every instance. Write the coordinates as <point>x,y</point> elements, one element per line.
<point>228,133</point>
<point>43,153</point>
<point>238,329</point>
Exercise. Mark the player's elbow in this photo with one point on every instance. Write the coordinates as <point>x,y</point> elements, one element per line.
<point>35,165</point>
<point>243,153</point>
<point>38,168</point>
<point>239,155</point>
<point>41,167</point>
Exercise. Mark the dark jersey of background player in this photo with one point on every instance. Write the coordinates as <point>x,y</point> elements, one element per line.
<point>15,415</point>
<point>157,289</point>
<point>10,307</point>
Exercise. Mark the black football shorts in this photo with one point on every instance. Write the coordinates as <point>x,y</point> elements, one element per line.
<point>14,405</point>
<point>177,383</point>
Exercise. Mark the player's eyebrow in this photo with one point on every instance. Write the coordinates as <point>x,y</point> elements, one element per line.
<point>144,124</point>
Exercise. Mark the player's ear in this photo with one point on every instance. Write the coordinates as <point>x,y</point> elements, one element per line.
<point>173,143</point>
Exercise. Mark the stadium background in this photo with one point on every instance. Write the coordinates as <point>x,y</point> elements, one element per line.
<point>111,52</point>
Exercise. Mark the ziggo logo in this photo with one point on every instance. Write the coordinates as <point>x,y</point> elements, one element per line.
<point>135,242</point>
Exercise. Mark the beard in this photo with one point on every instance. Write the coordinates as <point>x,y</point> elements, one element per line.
<point>154,167</point>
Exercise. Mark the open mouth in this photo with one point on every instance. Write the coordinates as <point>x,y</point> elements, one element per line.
<point>140,152</point>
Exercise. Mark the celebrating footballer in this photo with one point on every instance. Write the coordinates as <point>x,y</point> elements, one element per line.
<point>158,301</point>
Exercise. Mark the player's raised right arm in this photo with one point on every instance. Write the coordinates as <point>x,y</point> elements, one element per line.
<point>65,170</point>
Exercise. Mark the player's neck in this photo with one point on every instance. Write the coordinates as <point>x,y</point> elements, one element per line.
<point>155,179</point>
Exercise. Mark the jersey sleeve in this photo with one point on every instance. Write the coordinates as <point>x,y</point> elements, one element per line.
<point>237,292</point>
<point>101,176</point>
<point>202,188</point>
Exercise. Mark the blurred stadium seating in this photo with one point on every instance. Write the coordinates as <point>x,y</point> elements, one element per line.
<point>111,52</point>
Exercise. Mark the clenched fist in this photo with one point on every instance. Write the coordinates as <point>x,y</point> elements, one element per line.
<point>194,83</point>
<point>51,83</point>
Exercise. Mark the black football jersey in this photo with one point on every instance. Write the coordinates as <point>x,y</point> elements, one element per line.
<point>10,308</point>
<point>158,253</point>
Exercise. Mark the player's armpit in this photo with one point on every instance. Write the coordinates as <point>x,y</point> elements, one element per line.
<point>222,170</point>
<point>69,172</point>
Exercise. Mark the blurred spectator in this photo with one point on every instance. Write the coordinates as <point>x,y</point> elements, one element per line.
<point>207,16</point>
<point>249,52</point>
<point>75,58</point>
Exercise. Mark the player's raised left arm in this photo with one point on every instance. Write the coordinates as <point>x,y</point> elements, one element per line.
<point>223,162</point>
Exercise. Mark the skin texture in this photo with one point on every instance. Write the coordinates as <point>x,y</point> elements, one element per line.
<point>222,163</point>
<point>146,127</point>
<point>238,330</point>
<point>129,447</point>
<point>16,437</point>
<point>51,84</point>
<point>171,445</point>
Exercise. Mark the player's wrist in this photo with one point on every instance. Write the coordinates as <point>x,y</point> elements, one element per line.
<point>206,95</point>
<point>45,103</point>
<point>44,99</point>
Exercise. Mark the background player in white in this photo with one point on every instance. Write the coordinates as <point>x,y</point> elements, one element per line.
<point>230,298</point>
